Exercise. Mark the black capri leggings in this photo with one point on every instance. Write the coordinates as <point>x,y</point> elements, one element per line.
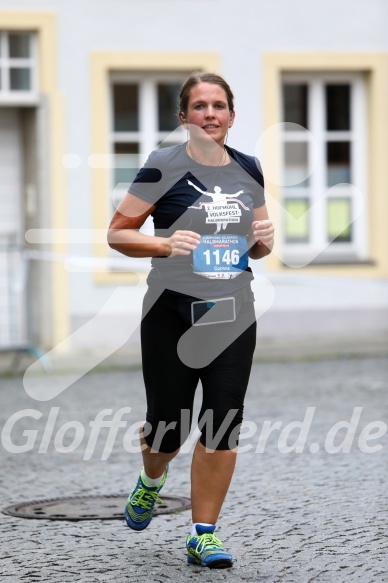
<point>176,356</point>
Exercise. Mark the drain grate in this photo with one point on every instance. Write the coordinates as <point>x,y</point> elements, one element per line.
<point>88,508</point>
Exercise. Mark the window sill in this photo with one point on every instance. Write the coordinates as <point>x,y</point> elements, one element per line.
<point>331,262</point>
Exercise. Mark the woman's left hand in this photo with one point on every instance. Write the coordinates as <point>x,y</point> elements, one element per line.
<point>263,233</point>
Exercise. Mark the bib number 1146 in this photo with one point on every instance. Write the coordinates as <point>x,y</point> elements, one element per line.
<point>218,257</point>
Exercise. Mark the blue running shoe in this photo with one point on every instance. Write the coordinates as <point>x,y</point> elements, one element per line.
<point>206,549</point>
<point>141,501</point>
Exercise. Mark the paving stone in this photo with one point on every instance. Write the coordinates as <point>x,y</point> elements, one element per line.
<point>288,517</point>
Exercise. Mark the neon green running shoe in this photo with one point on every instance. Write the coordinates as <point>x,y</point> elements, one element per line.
<point>206,549</point>
<point>141,501</point>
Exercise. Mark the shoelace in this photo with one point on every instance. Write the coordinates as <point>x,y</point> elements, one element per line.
<point>208,539</point>
<point>144,498</point>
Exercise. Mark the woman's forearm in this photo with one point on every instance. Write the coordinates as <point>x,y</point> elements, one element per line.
<point>134,244</point>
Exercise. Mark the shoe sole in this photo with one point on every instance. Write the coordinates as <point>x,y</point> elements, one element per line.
<point>216,564</point>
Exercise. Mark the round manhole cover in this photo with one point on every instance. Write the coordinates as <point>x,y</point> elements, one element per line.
<point>89,508</point>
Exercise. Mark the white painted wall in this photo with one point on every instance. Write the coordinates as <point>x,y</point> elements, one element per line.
<point>241,32</point>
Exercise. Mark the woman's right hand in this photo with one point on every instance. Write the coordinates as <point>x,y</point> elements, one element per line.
<point>124,235</point>
<point>183,242</point>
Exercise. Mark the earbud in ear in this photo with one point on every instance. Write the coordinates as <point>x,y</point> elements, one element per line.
<point>182,117</point>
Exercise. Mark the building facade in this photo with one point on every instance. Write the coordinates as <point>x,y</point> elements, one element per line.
<point>87,91</point>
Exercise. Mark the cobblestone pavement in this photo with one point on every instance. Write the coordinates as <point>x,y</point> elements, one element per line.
<point>289,516</point>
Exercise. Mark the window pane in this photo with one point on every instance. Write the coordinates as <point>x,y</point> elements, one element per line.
<point>126,162</point>
<point>295,104</point>
<point>167,106</point>
<point>19,45</point>
<point>339,220</point>
<point>296,220</point>
<point>126,108</point>
<point>338,107</point>
<point>295,164</point>
<point>126,167</point>
<point>20,79</point>
<point>338,163</point>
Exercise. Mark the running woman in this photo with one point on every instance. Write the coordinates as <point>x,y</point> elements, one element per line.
<point>198,320</point>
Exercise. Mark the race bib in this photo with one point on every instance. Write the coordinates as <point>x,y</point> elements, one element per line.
<point>220,256</point>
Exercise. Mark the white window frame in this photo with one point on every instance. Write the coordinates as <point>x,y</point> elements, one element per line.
<point>15,97</point>
<point>317,249</point>
<point>148,137</point>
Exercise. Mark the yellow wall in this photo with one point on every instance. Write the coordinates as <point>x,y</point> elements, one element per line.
<point>102,64</point>
<point>375,67</point>
<point>44,24</point>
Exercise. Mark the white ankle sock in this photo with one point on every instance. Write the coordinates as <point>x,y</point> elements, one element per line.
<point>151,482</point>
<point>194,530</point>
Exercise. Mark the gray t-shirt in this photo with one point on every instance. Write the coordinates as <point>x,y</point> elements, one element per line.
<point>217,203</point>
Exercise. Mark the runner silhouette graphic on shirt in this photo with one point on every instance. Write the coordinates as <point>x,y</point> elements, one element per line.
<point>217,197</point>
